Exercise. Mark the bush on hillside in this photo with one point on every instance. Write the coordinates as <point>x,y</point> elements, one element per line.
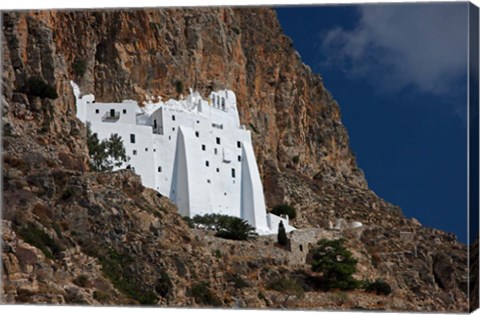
<point>285,209</point>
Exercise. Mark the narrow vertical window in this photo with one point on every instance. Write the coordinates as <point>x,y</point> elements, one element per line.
<point>215,151</point>
<point>239,158</point>
<point>203,147</point>
<point>233,172</point>
<point>173,117</point>
<point>197,134</point>
<point>124,111</point>
<point>132,138</point>
<point>134,152</point>
<point>159,169</point>
<point>207,164</point>
<point>154,124</point>
<point>112,113</point>
<point>239,144</point>
<point>97,111</point>
<point>218,140</point>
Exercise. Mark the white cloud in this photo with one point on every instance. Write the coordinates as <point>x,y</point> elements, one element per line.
<point>401,45</point>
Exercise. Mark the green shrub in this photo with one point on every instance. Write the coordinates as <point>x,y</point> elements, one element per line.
<point>203,295</point>
<point>164,285</point>
<point>282,235</point>
<point>218,253</point>
<point>285,209</point>
<point>101,296</point>
<point>39,88</point>
<point>79,67</point>
<point>81,281</point>
<point>336,264</point>
<point>41,240</point>
<point>225,226</point>
<point>189,221</point>
<point>116,267</point>
<point>379,286</point>
<point>67,193</point>
<point>239,282</point>
<point>286,285</point>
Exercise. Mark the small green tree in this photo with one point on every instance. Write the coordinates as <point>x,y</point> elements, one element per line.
<point>282,235</point>
<point>179,86</point>
<point>336,264</point>
<point>105,154</point>
<point>285,209</point>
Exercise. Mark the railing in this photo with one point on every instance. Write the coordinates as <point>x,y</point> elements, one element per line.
<point>109,118</point>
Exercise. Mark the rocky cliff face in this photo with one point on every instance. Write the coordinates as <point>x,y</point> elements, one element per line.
<point>301,146</point>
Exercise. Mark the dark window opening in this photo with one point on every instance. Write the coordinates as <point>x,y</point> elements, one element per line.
<point>197,134</point>
<point>215,151</point>
<point>154,124</point>
<point>112,113</point>
<point>233,172</point>
<point>239,158</point>
<point>207,164</point>
<point>203,147</point>
<point>146,149</point>
<point>173,117</point>
<point>124,111</point>
<point>134,152</point>
<point>159,169</point>
<point>301,248</point>
<point>239,144</point>
<point>97,111</point>
<point>132,138</point>
<point>218,140</point>
<point>208,181</point>
<point>218,170</point>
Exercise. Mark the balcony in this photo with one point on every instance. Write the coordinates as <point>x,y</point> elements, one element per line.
<point>111,116</point>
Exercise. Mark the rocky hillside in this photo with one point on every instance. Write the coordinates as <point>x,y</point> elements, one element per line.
<point>74,236</point>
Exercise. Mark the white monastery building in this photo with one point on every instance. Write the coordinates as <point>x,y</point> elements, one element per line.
<point>193,151</point>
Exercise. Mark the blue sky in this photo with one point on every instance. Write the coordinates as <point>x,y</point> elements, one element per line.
<point>399,74</point>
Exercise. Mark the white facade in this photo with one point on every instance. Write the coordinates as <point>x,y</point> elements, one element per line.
<point>193,151</point>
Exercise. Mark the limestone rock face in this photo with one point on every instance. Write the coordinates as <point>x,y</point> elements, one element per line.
<point>101,238</point>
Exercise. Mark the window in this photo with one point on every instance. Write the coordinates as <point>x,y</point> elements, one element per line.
<point>215,151</point>
<point>173,117</point>
<point>132,138</point>
<point>223,103</point>
<point>218,170</point>
<point>198,121</point>
<point>154,150</point>
<point>239,158</point>
<point>134,152</point>
<point>239,144</point>
<point>146,149</point>
<point>159,169</point>
<point>97,111</point>
<point>173,128</point>
<point>197,134</point>
<point>233,172</point>
<point>112,113</point>
<point>207,164</point>
<point>208,181</point>
<point>203,147</point>
<point>154,124</point>
<point>169,137</point>
<point>124,111</point>
<point>218,140</point>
